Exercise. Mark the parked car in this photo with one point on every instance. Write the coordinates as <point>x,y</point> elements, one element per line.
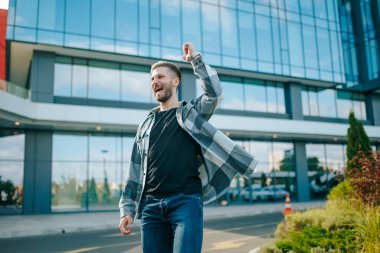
<point>264,193</point>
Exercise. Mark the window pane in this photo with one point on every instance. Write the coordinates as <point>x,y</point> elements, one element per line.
<point>69,148</point>
<point>247,35</point>
<point>262,152</point>
<point>233,96</point>
<point>102,18</point>
<point>344,108</point>
<point>295,40</point>
<point>135,86</point>
<point>280,99</point>
<point>264,44</point>
<point>326,99</point>
<point>12,173</point>
<point>104,186</point>
<point>229,32</point>
<point>211,30</point>
<point>305,103</point>
<point>104,83</point>
<point>335,157</point>
<point>144,26</point>
<point>62,79</point>
<point>311,57</point>
<point>26,13</point>
<point>51,14</point>
<point>126,20</point>
<point>69,188</point>
<point>324,50</point>
<point>78,16</point>
<point>255,98</point>
<point>272,98</point>
<point>170,23</point>
<point>313,99</point>
<point>105,148</point>
<point>191,26</point>
<point>80,74</point>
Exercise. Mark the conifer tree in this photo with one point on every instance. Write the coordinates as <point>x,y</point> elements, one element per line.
<point>357,139</point>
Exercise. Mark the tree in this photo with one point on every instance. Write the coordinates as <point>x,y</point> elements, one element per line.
<point>357,139</point>
<point>106,198</point>
<point>263,180</point>
<point>313,164</point>
<point>93,195</point>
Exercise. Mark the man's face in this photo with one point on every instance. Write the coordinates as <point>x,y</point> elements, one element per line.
<point>163,83</point>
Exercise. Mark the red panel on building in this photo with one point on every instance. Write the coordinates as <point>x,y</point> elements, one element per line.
<point>3,29</point>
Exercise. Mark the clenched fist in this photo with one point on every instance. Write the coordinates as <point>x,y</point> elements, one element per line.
<point>125,225</point>
<point>188,51</point>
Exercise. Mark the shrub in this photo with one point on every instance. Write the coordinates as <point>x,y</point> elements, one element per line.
<point>364,176</point>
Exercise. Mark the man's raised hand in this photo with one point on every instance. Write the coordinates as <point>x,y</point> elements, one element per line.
<point>188,51</point>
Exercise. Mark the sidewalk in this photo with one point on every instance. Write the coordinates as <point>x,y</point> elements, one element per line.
<point>31,225</point>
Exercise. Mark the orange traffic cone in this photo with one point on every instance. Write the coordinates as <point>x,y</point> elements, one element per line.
<point>288,209</point>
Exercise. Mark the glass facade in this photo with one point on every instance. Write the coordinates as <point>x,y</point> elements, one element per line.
<point>250,95</point>
<point>291,38</point>
<point>88,171</point>
<point>325,164</point>
<point>370,39</point>
<point>332,103</point>
<point>94,79</point>
<point>273,178</point>
<point>11,173</point>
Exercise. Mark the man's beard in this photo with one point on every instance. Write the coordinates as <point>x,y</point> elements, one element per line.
<point>167,94</point>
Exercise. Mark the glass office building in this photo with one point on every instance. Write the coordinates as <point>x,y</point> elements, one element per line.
<point>78,84</point>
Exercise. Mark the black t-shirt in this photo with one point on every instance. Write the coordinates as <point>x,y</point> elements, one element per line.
<point>172,159</point>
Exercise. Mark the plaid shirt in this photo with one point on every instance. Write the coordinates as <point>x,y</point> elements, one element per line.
<point>222,159</point>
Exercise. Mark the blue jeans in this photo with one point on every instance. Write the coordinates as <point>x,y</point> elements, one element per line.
<point>173,224</point>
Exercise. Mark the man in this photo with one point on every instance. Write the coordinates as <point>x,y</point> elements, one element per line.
<point>179,162</point>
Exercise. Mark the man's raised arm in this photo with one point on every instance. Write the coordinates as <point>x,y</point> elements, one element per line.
<point>212,95</point>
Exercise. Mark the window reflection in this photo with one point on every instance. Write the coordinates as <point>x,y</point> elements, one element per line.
<point>62,79</point>
<point>11,173</point>
<point>78,17</point>
<point>325,166</point>
<point>170,23</point>
<point>104,83</point>
<point>211,28</point>
<point>228,32</point>
<point>135,86</point>
<point>273,178</point>
<point>90,181</point>
<point>233,96</point>
<point>332,103</point>
<point>50,14</point>
<point>255,98</point>
<point>102,18</point>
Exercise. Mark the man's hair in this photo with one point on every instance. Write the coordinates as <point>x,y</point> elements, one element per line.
<point>169,65</point>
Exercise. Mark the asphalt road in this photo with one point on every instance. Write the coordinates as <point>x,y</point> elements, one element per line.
<point>238,234</point>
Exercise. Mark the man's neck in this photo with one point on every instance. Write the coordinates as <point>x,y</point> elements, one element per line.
<point>171,103</point>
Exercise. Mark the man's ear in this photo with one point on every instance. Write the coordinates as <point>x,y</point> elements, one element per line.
<point>176,83</point>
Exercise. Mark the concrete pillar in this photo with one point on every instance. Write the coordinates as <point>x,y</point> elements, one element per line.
<point>302,180</point>
<point>42,77</point>
<point>293,95</point>
<point>187,89</point>
<point>373,108</point>
<point>38,172</point>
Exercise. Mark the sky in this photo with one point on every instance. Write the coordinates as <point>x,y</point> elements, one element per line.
<point>4,4</point>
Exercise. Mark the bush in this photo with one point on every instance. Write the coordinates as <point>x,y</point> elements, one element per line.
<point>327,229</point>
<point>364,176</point>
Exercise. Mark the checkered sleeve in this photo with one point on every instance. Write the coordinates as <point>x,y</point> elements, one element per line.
<point>206,104</point>
<point>128,200</point>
